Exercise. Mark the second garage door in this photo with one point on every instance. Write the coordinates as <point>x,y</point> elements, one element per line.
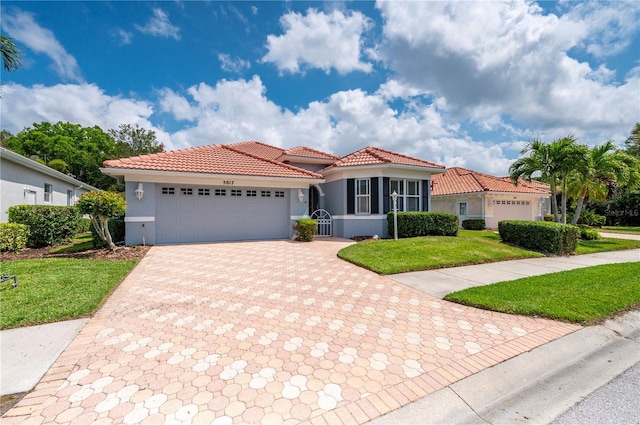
<point>510,210</point>
<point>211,214</point>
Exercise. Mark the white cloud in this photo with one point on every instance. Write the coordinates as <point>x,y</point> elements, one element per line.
<point>497,60</point>
<point>25,30</point>
<point>123,37</point>
<point>319,40</point>
<point>159,26</point>
<point>229,64</point>
<point>84,104</point>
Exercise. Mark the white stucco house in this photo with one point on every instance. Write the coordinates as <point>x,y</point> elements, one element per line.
<point>471,194</point>
<point>24,181</point>
<point>251,191</point>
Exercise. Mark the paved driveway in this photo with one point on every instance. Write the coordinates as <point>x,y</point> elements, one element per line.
<point>269,332</point>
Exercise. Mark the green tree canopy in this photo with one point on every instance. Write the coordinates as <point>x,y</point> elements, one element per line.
<point>83,149</point>
<point>133,141</point>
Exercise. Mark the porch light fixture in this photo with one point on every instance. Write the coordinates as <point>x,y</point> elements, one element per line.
<point>394,197</point>
<point>139,192</point>
<point>300,195</point>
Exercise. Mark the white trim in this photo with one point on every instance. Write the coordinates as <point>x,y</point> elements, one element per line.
<point>298,217</point>
<point>360,217</point>
<point>138,219</point>
<point>208,179</point>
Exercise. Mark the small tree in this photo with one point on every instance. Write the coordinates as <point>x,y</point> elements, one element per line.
<point>101,206</point>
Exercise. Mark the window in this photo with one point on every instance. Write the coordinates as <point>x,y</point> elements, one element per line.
<point>48,192</point>
<point>363,196</point>
<point>69,198</point>
<point>251,193</point>
<point>462,208</point>
<point>168,191</point>
<point>204,192</point>
<point>236,192</point>
<point>408,194</point>
<point>221,192</point>
<point>186,191</point>
<point>279,194</point>
<point>265,193</point>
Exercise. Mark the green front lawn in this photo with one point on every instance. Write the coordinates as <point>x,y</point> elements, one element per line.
<point>432,252</point>
<point>469,247</point>
<point>80,243</point>
<point>621,229</point>
<point>54,289</point>
<point>580,296</point>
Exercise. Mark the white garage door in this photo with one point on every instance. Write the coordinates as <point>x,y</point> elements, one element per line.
<point>210,214</point>
<point>511,210</point>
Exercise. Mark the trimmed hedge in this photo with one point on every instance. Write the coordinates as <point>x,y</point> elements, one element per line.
<point>588,234</point>
<point>48,225</point>
<point>473,224</point>
<point>306,228</point>
<point>13,236</point>
<point>554,238</point>
<point>417,223</point>
<point>116,229</point>
<point>84,225</point>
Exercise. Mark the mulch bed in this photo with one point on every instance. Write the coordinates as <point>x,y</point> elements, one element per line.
<point>120,253</point>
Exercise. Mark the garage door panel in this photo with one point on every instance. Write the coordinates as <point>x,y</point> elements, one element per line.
<point>194,218</point>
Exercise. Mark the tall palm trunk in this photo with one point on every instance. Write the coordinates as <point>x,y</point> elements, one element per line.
<point>576,216</point>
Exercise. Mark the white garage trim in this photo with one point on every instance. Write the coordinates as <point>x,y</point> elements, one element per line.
<point>138,219</point>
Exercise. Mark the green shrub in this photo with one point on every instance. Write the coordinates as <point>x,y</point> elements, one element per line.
<point>102,206</point>
<point>588,234</point>
<point>84,225</point>
<point>306,229</point>
<point>13,236</point>
<point>554,238</point>
<point>48,225</point>
<point>473,224</point>
<point>589,218</point>
<point>116,230</point>
<point>624,210</point>
<point>549,217</point>
<point>413,224</point>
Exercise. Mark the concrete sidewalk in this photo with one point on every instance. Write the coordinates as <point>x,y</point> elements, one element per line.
<point>441,282</point>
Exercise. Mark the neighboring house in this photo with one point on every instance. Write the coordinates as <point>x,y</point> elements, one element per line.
<point>251,191</point>
<point>24,181</point>
<point>470,194</point>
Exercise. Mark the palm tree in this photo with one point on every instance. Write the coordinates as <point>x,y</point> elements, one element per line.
<point>605,165</point>
<point>553,162</point>
<point>11,58</point>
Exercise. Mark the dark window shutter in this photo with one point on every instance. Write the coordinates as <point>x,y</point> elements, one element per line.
<point>425,195</point>
<point>374,196</point>
<point>386,199</point>
<point>351,196</point>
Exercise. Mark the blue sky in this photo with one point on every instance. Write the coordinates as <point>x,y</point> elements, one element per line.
<point>459,83</point>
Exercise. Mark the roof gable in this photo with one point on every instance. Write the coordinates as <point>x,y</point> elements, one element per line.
<point>376,156</point>
<point>215,159</point>
<point>461,180</point>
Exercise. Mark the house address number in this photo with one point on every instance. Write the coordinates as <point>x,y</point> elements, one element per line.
<point>228,182</point>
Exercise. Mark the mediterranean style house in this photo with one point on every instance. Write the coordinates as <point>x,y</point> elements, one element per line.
<point>470,194</point>
<point>252,191</point>
<point>24,181</point>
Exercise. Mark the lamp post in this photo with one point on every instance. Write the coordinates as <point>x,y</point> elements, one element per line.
<point>394,197</point>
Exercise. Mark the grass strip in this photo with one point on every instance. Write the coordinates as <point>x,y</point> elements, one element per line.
<point>432,252</point>
<point>584,296</point>
<point>630,230</point>
<point>54,289</point>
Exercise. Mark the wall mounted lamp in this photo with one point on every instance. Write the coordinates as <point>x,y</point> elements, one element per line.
<point>139,192</point>
<point>300,195</point>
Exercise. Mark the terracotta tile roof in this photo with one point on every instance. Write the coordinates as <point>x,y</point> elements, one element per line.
<point>214,159</point>
<point>306,152</point>
<point>372,155</point>
<point>460,180</point>
<point>259,149</point>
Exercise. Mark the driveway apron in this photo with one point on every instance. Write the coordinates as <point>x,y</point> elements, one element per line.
<point>268,332</point>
